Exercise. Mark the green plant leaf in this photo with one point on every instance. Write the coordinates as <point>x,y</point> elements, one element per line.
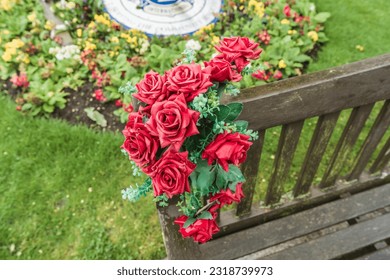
<point>206,215</point>
<point>241,125</point>
<point>189,222</point>
<point>321,17</point>
<point>96,116</point>
<point>230,112</point>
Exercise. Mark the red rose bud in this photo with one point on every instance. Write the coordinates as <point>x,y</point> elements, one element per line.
<point>172,121</point>
<point>139,144</point>
<point>170,173</point>
<point>227,197</point>
<point>201,230</point>
<point>227,148</point>
<point>128,108</point>
<point>189,80</point>
<point>222,70</point>
<point>287,11</point>
<point>278,75</point>
<point>239,50</point>
<point>261,75</point>
<point>152,88</point>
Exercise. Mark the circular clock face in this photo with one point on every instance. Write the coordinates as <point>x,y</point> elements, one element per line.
<point>164,17</point>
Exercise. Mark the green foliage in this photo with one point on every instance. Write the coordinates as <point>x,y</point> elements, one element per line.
<point>96,116</point>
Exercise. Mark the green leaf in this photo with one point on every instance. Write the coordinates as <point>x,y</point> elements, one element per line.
<point>206,215</point>
<point>241,125</point>
<point>48,108</point>
<point>205,180</point>
<point>321,17</point>
<point>96,116</point>
<point>230,112</point>
<point>189,222</point>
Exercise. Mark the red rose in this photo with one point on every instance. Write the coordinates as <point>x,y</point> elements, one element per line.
<point>152,88</point>
<point>227,148</point>
<point>227,197</point>
<point>261,75</point>
<point>172,121</point>
<point>189,80</point>
<point>201,230</point>
<point>170,173</point>
<point>222,70</point>
<point>139,144</point>
<point>287,11</point>
<point>132,121</point>
<point>239,50</point>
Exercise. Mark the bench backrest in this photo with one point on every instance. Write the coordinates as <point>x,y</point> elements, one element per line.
<point>353,99</point>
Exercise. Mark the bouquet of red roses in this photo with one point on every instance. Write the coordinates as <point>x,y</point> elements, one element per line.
<point>187,142</point>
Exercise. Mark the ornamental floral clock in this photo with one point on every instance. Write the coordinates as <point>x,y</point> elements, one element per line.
<point>163,17</point>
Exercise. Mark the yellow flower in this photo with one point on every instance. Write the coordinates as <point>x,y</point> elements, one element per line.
<point>91,25</point>
<point>32,17</point>
<point>115,39</point>
<point>6,56</point>
<point>79,32</point>
<point>5,31</point>
<point>90,46</point>
<point>70,5</point>
<point>257,7</point>
<point>313,35</point>
<point>360,48</point>
<point>49,25</point>
<point>285,21</point>
<point>292,32</point>
<point>215,40</point>
<point>282,64</point>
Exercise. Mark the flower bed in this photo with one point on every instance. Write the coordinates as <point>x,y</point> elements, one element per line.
<point>48,74</point>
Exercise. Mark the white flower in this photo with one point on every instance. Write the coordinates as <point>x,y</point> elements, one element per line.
<point>193,45</point>
<point>66,52</point>
<point>144,47</point>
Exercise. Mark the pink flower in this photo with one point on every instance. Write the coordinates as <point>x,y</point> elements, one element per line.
<point>99,96</point>
<point>278,75</point>
<point>287,11</point>
<point>20,81</point>
<point>265,37</point>
<point>261,75</point>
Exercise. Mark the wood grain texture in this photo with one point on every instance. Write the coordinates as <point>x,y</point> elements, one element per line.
<point>382,159</point>
<point>317,94</point>
<point>286,149</point>
<point>375,135</point>
<point>315,152</point>
<point>250,170</point>
<point>340,243</point>
<point>383,254</point>
<point>284,229</point>
<point>346,142</point>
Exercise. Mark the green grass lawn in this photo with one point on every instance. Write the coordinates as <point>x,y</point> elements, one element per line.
<point>60,184</point>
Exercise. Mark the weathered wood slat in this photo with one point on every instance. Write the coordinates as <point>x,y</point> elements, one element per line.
<point>347,140</point>
<point>318,144</point>
<point>229,223</point>
<point>287,145</point>
<point>383,254</point>
<point>177,247</point>
<point>256,238</point>
<point>250,170</point>
<point>375,135</point>
<point>340,243</point>
<point>317,94</point>
<point>383,158</point>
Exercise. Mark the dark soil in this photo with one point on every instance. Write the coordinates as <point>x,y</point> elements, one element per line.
<point>83,98</point>
<point>77,101</point>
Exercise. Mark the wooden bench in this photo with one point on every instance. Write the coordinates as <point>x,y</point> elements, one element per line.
<point>347,214</point>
